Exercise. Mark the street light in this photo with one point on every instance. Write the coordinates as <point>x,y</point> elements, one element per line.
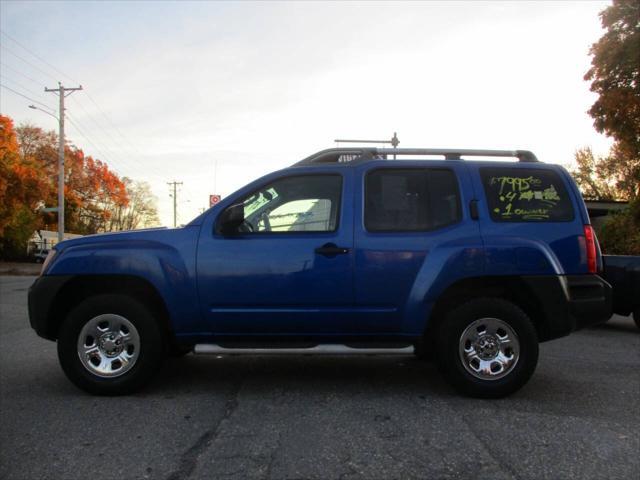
<point>48,113</point>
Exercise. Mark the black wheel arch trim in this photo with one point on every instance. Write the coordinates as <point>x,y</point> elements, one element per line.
<point>50,297</point>
<point>557,304</point>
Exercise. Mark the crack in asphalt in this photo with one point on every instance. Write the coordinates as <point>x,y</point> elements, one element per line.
<point>503,466</point>
<point>351,470</point>
<point>189,459</point>
<point>272,455</point>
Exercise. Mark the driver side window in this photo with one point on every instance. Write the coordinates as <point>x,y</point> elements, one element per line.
<point>306,203</point>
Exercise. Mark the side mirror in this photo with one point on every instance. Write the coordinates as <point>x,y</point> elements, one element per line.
<point>230,220</point>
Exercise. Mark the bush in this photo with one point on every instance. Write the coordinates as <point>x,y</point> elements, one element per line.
<point>621,234</point>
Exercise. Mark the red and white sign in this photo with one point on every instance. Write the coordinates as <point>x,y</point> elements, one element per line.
<point>213,199</point>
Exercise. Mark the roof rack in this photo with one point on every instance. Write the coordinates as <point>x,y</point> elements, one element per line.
<point>341,155</point>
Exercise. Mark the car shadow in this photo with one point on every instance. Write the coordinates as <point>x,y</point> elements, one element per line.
<point>619,324</point>
<point>202,373</point>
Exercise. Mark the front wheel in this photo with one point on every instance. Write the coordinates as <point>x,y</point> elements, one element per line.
<point>110,345</point>
<point>487,348</point>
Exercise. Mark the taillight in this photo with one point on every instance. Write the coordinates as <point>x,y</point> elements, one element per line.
<point>590,241</point>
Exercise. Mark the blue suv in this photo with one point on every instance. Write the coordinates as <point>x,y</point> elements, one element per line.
<point>358,250</point>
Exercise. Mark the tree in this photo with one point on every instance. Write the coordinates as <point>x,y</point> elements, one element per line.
<point>93,193</point>
<point>615,77</point>
<point>140,212</point>
<point>593,177</point>
<point>621,234</point>
<point>96,199</point>
<point>23,188</point>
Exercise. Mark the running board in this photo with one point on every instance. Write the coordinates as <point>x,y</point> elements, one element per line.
<point>330,349</point>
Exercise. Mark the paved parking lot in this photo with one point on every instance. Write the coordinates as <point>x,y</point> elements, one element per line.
<point>315,417</point>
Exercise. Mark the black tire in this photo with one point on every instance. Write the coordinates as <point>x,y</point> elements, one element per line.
<point>636,316</point>
<point>422,353</point>
<point>449,356</point>
<point>149,355</point>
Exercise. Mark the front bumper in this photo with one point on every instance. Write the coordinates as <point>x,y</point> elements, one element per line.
<point>42,304</point>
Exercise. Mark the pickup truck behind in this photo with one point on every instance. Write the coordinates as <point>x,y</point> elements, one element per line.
<point>623,273</point>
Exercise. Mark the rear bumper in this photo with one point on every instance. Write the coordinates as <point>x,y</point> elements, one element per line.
<point>41,304</point>
<point>590,300</point>
<point>570,302</point>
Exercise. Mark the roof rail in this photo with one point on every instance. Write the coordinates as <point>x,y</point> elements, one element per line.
<point>338,155</point>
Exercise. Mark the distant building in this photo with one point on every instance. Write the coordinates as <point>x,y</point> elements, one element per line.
<point>45,239</point>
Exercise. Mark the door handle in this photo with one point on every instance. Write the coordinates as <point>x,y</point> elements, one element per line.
<point>330,250</point>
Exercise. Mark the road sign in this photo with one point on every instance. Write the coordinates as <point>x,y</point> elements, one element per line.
<point>213,199</point>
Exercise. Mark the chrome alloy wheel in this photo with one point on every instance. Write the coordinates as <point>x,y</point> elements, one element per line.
<point>489,348</point>
<point>108,345</point>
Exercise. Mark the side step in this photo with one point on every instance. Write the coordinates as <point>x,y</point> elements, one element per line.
<point>329,349</point>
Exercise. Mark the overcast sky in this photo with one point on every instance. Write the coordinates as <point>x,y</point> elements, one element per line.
<point>174,88</point>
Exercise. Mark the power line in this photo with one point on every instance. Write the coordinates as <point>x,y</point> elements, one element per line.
<point>37,56</point>
<point>113,125</point>
<point>102,112</point>
<point>91,143</point>
<point>28,98</point>
<point>25,89</point>
<point>29,63</point>
<point>21,73</point>
<point>109,157</point>
<point>144,171</point>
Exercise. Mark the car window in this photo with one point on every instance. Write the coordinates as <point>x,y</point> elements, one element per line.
<point>403,200</point>
<point>306,203</point>
<point>526,195</point>
<point>299,216</point>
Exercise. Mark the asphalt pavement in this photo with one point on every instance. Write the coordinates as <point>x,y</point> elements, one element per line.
<point>320,417</point>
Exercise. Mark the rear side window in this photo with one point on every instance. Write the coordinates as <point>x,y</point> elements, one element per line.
<point>410,200</point>
<point>526,195</point>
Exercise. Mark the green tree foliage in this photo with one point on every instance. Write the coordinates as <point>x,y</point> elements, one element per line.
<point>621,234</point>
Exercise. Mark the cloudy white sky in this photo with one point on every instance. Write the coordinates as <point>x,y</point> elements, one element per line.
<point>173,89</point>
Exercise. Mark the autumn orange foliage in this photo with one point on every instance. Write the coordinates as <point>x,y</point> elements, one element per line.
<point>28,182</point>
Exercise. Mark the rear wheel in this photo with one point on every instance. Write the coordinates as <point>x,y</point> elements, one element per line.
<point>636,316</point>
<point>110,345</point>
<point>487,348</point>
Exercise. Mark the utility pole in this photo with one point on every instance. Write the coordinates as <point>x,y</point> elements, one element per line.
<point>62,93</point>
<point>175,201</point>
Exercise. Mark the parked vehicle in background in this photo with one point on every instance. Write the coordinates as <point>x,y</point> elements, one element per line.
<point>41,255</point>
<point>623,273</point>
<point>472,263</point>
